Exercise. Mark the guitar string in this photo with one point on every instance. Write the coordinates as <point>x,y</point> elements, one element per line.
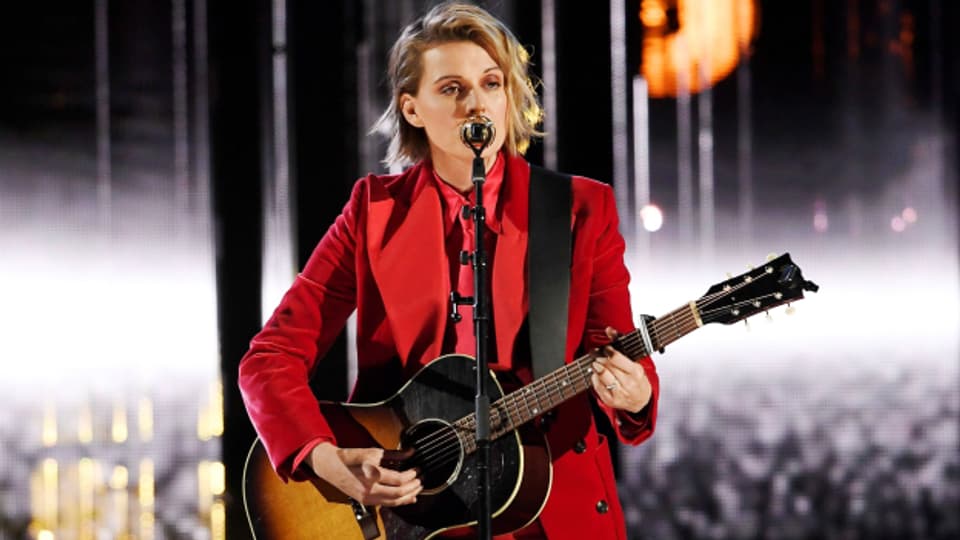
<point>452,452</point>
<point>427,451</point>
<point>629,342</point>
<point>430,455</point>
<point>445,437</point>
<point>445,454</point>
<point>513,399</point>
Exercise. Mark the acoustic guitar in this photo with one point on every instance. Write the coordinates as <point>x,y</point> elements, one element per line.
<point>429,424</point>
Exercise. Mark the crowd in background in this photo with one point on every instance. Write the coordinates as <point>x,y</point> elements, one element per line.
<point>862,454</point>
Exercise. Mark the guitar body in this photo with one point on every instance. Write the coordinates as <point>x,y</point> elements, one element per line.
<point>421,417</point>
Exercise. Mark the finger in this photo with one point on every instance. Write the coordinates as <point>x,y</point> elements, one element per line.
<point>391,477</point>
<point>598,388</point>
<point>409,498</point>
<point>616,360</point>
<point>629,376</point>
<point>353,457</point>
<point>633,389</point>
<point>598,366</point>
<point>611,333</point>
<point>604,390</point>
<point>607,376</point>
<point>383,493</point>
<point>371,472</point>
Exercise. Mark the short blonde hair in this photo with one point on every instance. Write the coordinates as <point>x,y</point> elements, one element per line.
<point>447,22</point>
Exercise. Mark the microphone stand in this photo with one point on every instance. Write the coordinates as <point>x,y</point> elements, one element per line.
<point>477,135</point>
<point>481,322</point>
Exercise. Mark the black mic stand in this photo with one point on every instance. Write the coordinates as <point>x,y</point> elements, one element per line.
<point>478,136</point>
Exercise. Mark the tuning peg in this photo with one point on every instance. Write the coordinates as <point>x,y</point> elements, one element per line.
<point>750,267</point>
<point>771,256</point>
<point>746,324</point>
<point>791,310</point>
<point>729,275</point>
<point>769,317</point>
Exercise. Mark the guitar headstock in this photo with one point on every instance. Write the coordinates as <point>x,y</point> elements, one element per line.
<point>776,282</point>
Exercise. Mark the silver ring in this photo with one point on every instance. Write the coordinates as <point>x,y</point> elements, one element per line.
<point>611,386</point>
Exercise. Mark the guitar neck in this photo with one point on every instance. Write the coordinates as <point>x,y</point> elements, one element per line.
<point>523,405</point>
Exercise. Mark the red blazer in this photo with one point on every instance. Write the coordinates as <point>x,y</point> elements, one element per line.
<point>384,256</point>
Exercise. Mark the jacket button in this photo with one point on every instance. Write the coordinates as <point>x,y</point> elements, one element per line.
<point>580,447</point>
<point>602,507</point>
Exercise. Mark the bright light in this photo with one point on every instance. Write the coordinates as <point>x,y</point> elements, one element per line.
<point>909,215</point>
<point>821,222</point>
<point>652,14</point>
<point>898,224</point>
<point>652,217</point>
<point>111,302</point>
<point>705,48</point>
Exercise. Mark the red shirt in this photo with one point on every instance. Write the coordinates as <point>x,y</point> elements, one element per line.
<point>459,236</point>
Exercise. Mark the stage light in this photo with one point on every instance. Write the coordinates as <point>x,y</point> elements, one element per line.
<point>652,217</point>
<point>898,224</point>
<point>909,215</point>
<point>694,43</point>
<point>653,14</point>
<point>821,222</point>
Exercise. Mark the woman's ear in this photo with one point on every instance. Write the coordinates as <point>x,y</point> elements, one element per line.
<point>408,106</point>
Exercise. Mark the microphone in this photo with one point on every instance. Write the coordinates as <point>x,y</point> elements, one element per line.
<point>477,132</point>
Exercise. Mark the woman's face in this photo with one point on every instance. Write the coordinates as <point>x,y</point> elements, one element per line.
<point>459,80</point>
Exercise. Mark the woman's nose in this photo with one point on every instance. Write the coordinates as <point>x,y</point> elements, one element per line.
<point>474,103</point>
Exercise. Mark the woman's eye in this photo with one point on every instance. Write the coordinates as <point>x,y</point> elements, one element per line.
<point>450,90</point>
<point>493,85</point>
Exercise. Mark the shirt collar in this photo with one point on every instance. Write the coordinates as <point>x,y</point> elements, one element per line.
<point>453,200</point>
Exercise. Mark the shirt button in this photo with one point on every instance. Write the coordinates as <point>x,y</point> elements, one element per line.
<point>580,447</point>
<point>602,507</point>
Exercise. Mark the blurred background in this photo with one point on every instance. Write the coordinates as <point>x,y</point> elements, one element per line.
<point>167,165</point>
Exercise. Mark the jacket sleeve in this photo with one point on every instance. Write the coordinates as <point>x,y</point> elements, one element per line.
<point>275,372</point>
<point>609,305</point>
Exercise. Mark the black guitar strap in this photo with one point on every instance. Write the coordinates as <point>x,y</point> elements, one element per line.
<point>548,268</point>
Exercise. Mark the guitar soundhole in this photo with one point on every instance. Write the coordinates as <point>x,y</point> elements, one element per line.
<point>437,453</point>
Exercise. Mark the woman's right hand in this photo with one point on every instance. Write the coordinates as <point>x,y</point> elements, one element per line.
<point>357,473</point>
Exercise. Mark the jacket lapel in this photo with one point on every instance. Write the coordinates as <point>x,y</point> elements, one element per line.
<point>408,262</point>
<point>509,280</point>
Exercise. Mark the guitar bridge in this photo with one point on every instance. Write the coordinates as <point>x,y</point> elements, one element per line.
<point>367,521</point>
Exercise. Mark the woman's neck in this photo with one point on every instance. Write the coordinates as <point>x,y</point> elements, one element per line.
<point>458,172</point>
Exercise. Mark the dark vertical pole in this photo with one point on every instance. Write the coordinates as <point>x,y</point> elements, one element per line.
<point>324,135</point>
<point>945,13</point>
<point>584,113</point>
<point>238,36</point>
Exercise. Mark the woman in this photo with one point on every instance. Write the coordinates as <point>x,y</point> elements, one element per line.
<point>392,256</point>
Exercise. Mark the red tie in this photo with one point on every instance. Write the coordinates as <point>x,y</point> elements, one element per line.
<point>466,341</point>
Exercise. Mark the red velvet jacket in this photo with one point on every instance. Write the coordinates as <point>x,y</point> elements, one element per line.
<point>384,256</point>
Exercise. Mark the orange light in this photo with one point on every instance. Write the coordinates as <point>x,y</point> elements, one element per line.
<point>653,14</point>
<point>712,36</point>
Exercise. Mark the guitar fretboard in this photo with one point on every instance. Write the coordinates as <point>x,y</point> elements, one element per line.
<point>524,404</point>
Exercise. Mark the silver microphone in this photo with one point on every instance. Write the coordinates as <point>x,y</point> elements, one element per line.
<point>477,132</point>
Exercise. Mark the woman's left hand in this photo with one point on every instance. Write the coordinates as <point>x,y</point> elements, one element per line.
<point>619,382</point>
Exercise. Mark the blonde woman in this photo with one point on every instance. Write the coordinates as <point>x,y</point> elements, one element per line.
<point>392,256</point>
